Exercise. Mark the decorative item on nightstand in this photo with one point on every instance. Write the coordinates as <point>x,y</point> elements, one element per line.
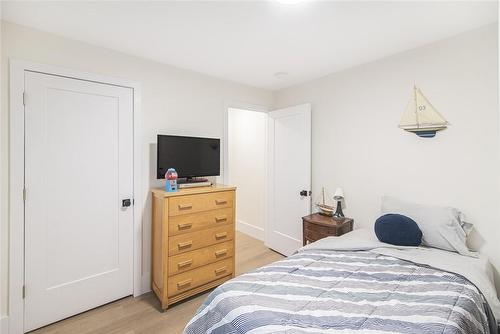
<point>339,197</point>
<point>317,226</point>
<point>324,209</point>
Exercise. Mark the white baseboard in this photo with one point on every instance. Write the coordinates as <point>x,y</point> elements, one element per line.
<point>252,230</point>
<point>4,324</point>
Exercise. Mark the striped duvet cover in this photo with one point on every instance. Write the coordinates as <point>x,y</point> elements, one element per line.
<point>327,291</point>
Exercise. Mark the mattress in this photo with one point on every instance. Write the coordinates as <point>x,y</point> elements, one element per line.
<point>324,289</point>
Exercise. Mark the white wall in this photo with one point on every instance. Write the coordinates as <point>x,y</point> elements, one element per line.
<point>355,117</point>
<point>358,146</point>
<point>247,154</point>
<point>174,101</point>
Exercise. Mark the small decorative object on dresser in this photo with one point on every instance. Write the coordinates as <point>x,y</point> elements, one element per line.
<point>171,180</point>
<point>193,241</point>
<point>316,226</point>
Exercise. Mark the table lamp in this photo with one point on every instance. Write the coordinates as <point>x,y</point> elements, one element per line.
<point>339,197</point>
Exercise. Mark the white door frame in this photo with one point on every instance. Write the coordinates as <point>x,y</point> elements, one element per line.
<point>16,179</point>
<point>225,155</point>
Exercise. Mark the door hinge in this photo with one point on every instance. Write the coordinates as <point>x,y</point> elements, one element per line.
<point>24,98</point>
<point>24,291</point>
<point>24,194</point>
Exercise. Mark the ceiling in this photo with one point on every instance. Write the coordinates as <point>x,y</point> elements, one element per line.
<point>249,42</point>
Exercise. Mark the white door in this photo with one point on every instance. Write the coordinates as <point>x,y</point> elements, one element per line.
<point>289,177</point>
<point>78,169</point>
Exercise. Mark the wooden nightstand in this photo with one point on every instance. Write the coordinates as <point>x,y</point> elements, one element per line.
<point>316,226</point>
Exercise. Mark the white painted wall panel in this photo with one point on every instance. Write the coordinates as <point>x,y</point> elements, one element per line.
<point>358,146</point>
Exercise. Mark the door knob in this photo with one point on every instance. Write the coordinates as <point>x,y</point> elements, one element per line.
<point>126,202</point>
<point>303,193</point>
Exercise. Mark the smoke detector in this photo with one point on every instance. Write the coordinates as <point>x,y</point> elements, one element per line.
<point>280,75</point>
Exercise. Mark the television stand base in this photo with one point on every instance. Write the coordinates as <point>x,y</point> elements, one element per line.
<point>193,182</point>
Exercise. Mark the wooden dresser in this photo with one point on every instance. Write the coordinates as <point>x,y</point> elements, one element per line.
<point>193,241</point>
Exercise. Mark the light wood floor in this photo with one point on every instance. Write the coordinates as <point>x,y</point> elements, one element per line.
<point>142,315</point>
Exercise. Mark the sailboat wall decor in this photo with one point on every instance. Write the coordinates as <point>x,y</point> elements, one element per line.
<point>421,117</point>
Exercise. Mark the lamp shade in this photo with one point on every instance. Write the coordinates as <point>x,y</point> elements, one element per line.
<point>339,194</point>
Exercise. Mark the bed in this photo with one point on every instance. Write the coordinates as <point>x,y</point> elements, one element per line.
<point>355,284</point>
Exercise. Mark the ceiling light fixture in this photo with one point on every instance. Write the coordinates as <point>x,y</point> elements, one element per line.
<point>290,2</point>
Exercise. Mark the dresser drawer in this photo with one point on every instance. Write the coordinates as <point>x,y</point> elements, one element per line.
<point>196,277</point>
<point>199,221</point>
<point>190,241</point>
<point>200,257</point>
<point>195,203</point>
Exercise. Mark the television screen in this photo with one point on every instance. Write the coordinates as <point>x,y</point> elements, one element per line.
<point>190,156</point>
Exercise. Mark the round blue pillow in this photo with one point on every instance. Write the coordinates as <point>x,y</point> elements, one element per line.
<point>398,230</point>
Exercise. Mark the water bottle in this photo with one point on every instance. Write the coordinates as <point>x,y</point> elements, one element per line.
<point>171,178</point>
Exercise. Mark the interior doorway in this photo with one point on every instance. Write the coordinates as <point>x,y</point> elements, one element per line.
<point>246,167</point>
<point>268,158</point>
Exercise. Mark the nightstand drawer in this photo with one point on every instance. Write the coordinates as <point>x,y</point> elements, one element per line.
<point>200,257</point>
<point>194,278</point>
<point>321,230</point>
<point>312,235</point>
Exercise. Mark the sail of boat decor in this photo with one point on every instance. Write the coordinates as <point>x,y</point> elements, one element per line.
<point>421,117</point>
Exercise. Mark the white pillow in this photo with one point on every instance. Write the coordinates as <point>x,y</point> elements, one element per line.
<point>442,227</point>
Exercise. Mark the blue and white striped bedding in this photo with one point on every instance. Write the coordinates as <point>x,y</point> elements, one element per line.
<point>330,291</point>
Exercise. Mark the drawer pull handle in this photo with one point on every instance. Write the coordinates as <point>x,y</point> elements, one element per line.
<point>185,206</point>
<point>221,252</point>
<point>220,270</point>
<point>184,283</point>
<point>220,219</point>
<point>184,263</point>
<point>184,226</point>
<point>184,244</point>
<point>221,235</point>
<point>220,201</point>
